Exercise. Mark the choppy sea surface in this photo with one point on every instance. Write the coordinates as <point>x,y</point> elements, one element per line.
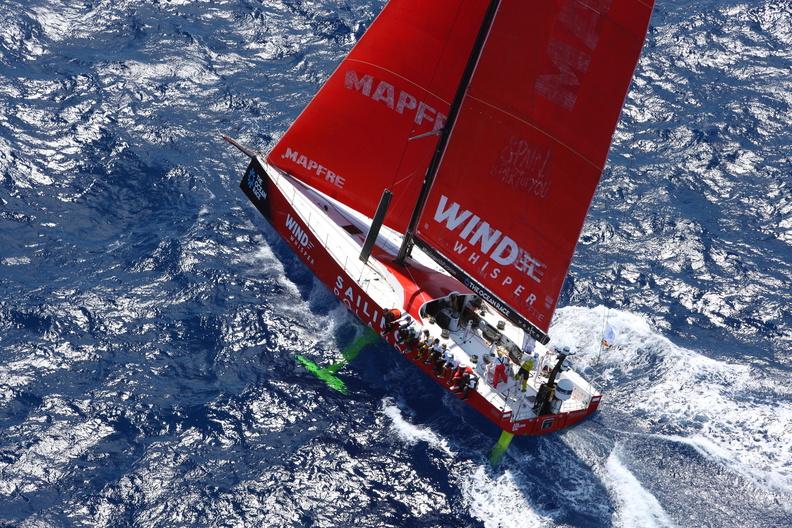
<point>149,318</point>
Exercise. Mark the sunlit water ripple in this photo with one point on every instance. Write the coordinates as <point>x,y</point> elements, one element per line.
<point>149,318</point>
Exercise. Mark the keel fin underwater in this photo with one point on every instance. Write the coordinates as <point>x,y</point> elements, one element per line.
<point>500,447</point>
<point>328,373</point>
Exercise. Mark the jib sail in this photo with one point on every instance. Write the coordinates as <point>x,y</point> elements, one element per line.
<point>526,153</point>
<point>376,122</point>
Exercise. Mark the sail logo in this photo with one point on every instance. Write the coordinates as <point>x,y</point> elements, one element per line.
<point>314,167</point>
<point>298,235</point>
<point>523,167</point>
<point>358,304</point>
<point>492,242</point>
<point>494,254</point>
<point>400,101</point>
<point>572,61</point>
<point>255,185</point>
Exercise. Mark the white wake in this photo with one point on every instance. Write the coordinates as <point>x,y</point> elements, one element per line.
<point>729,412</point>
<point>638,508</point>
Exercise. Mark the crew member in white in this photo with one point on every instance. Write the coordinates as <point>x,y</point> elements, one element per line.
<point>468,330</point>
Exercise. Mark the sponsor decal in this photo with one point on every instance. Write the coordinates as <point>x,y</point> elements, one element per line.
<point>400,101</point>
<point>356,302</point>
<point>497,257</point>
<point>255,184</point>
<point>582,20</point>
<point>314,167</point>
<point>299,238</point>
<point>523,166</point>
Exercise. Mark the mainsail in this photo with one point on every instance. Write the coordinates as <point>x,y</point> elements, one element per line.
<point>524,157</point>
<point>376,122</point>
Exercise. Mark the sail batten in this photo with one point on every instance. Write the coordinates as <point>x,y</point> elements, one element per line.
<point>526,153</point>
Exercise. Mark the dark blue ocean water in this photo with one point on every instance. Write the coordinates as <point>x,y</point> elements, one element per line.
<point>149,318</point>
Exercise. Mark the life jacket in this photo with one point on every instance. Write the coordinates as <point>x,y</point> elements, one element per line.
<point>527,366</point>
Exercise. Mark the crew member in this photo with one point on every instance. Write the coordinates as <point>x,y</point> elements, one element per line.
<point>404,325</point>
<point>460,379</point>
<point>423,345</point>
<point>412,339</point>
<point>500,371</point>
<point>451,365</point>
<point>525,370</point>
<point>547,363</point>
<point>472,383</point>
<point>489,369</point>
<point>441,360</point>
<point>407,333</point>
<point>392,317</point>
<point>435,351</point>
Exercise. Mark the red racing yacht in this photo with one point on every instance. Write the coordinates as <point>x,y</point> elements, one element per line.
<point>439,181</point>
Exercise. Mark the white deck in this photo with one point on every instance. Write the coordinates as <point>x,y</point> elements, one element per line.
<point>325,217</point>
<point>508,396</point>
<point>372,277</point>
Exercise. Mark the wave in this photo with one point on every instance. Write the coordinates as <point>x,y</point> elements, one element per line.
<point>496,498</point>
<point>499,501</point>
<point>412,434</point>
<point>47,456</point>
<point>732,413</point>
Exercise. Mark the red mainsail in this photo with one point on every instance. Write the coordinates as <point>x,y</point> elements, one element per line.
<point>370,126</point>
<point>526,153</point>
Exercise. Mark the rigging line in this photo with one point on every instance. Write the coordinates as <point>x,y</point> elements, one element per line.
<point>399,166</point>
<point>399,182</point>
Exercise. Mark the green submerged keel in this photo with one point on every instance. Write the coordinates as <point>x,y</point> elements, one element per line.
<point>328,373</point>
<point>500,448</point>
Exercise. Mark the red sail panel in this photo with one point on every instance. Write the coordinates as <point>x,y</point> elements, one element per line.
<point>354,139</point>
<point>532,137</point>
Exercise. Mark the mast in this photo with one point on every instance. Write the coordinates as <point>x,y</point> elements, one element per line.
<point>431,172</point>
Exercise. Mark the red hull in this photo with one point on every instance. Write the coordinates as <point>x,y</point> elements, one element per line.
<point>277,209</point>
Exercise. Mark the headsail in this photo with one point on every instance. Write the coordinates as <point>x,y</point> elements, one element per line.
<point>528,148</point>
<point>371,125</point>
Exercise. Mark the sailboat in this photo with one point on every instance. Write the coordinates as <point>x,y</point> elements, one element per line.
<point>439,181</point>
